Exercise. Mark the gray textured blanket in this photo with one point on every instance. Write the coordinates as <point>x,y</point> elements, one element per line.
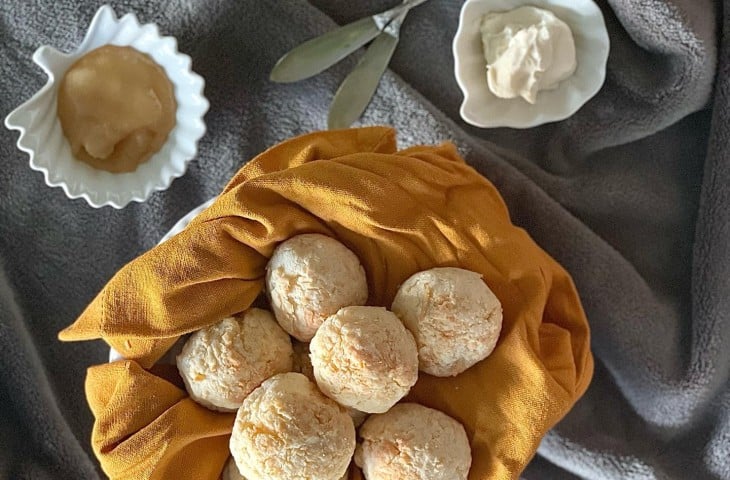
<point>632,195</point>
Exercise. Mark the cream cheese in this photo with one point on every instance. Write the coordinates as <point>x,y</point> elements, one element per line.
<point>527,49</point>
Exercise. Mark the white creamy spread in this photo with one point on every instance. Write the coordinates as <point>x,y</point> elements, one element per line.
<point>527,49</point>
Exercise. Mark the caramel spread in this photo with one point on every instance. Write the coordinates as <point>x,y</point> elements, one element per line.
<point>116,108</point>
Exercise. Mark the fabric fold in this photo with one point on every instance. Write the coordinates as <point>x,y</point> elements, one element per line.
<point>147,428</point>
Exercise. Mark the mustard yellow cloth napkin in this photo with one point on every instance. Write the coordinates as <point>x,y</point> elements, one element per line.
<point>400,212</point>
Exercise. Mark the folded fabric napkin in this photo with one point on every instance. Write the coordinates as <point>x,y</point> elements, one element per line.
<point>400,212</point>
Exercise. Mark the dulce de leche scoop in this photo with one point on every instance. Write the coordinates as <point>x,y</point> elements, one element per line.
<point>116,108</point>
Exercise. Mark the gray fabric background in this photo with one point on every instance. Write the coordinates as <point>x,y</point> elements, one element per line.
<point>631,194</point>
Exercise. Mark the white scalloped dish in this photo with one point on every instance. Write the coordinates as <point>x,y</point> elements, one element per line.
<point>42,138</point>
<point>483,109</point>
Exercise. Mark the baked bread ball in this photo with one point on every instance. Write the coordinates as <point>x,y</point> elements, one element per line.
<point>364,358</point>
<point>287,430</point>
<point>454,317</point>
<point>303,365</point>
<point>311,277</point>
<point>231,472</point>
<point>413,442</point>
<point>223,363</point>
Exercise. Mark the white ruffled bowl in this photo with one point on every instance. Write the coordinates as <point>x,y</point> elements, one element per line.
<point>483,109</point>
<point>42,138</point>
